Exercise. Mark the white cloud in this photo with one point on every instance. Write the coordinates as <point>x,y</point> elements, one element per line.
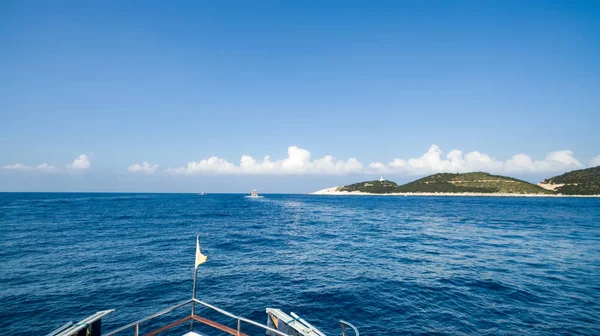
<point>44,167</point>
<point>298,162</point>
<point>433,162</point>
<point>595,161</point>
<point>82,162</point>
<point>17,166</point>
<point>145,168</point>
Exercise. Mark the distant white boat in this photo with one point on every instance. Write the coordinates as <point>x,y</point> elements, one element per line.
<point>202,194</point>
<point>254,194</point>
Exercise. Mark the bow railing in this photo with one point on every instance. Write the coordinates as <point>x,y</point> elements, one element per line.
<point>236,332</point>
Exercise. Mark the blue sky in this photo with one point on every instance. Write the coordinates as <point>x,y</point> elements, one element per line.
<point>172,83</point>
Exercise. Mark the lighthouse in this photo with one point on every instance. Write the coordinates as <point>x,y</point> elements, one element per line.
<point>381,179</point>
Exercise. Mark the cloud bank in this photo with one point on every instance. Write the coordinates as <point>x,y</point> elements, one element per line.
<point>434,161</point>
<point>44,167</point>
<point>300,162</point>
<point>82,162</point>
<point>145,168</point>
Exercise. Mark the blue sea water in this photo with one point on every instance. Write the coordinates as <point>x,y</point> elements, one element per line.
<point>390,265</point>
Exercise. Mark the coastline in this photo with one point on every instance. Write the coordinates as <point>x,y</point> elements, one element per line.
<point>333,192</point>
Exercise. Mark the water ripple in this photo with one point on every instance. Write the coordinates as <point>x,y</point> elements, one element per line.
<point>405,265</point>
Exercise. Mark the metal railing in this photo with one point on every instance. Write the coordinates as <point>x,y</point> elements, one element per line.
<point>343,323</point>
<point>60,329</point>
<point>136,324</point>
<point>240,319</point>
<point>91,323</point>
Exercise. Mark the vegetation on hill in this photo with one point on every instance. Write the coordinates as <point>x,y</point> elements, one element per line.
<point>451,183</point>
<point>375,187</point>
<point>577,182</point>
<point>471,182</point>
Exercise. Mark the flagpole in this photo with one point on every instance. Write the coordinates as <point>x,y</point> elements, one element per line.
<point>200,259</point>
<point>193,297</point>
<point>194,291</point>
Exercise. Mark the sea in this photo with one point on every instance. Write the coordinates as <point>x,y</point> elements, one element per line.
<point>389,265</point>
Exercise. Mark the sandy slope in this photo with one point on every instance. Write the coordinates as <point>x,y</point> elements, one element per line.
<point>550,186</point>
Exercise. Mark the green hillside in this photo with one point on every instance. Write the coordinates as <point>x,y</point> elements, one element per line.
<point>375,187</point>
<point>471,182</point>
<point>577,182</point>
<point>450,183</point>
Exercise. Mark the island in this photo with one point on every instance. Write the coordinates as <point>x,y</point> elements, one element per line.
<point>577,182</point>
<point>583,182</point>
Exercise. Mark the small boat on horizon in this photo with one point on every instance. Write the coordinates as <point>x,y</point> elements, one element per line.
<point>278,322</point>
<point>254,194</point>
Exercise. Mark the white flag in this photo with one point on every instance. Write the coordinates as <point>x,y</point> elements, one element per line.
<point>200,258</point>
